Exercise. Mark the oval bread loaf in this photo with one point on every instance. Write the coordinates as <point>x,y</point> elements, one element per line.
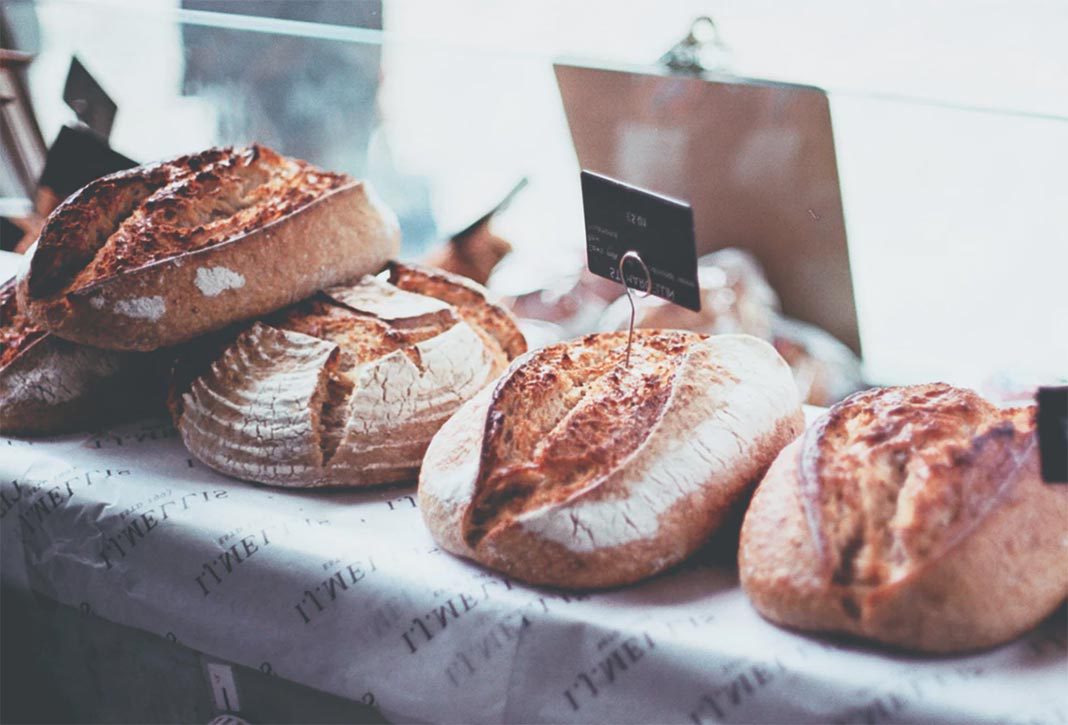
<point>159,254</point>
<point>574,470</point>
<point>347,387</point>
<point>914,516</point>
<point>49,385</point>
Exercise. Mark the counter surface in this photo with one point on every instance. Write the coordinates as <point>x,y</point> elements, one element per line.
<point>347,593</point>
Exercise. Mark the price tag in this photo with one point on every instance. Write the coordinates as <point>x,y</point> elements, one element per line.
<point>1053,433</point>
<point>76,157</point>
<point>621,218</point>
<point>223,688</point>
<point>89,101</point>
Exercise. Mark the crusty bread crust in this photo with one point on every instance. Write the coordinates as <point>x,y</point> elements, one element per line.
<point>17,331</point>
<point>913,516</point>
<point>343,389</point>
<point>473,256</point>
<point>469,298</point>
<point>160,254</point>
<point>49,385</point>
<point>576,471</point>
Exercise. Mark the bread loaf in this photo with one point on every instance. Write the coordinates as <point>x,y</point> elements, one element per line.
<point>345,388</point>
<point>473,255</point>
<point>914,516</point>
<point>574,470</point>
<point>49,385</point>
<point>158,254</point>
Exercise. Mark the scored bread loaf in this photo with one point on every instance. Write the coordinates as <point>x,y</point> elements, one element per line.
<point>345,388</point>
<point>49,385</point>
<point>914,516</point>
<point>575,470</point>
<point>159,254</point>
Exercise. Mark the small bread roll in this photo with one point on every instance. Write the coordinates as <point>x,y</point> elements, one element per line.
<point>159,254</point>
<point>345,388</point>
<point>914,516</point>
<point>576,471</point>
<point>49,385</point>
<point>473,255</point>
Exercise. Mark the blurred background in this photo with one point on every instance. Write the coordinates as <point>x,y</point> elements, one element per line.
<point>950,124</point>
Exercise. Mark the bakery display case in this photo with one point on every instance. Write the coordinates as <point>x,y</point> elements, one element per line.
<point>331,422</point>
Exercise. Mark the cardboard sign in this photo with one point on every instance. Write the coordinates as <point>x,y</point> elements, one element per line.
<point>756,160</point>
<point>621,218</point>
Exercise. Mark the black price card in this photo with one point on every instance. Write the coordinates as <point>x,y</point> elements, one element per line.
<point>78,156</point>
<point>622,218</point>
<point>88,100</point>
<point>1053,433</point>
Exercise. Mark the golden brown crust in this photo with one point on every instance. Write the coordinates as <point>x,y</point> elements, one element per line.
<point>49,385</point>
<point>17,331</point>
<point>473,256</point>
<point>344,388</point>
<point>571,413</point>
<point>174,207</point>
<point>896,511</point>
<point>157,255</point>
<point>470,299</point>
<point>577,471</point>
<point>881,476</point>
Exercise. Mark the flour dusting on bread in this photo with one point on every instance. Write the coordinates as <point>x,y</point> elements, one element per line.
<point>145,308</point>
<point>587,524</point>
<point>345,388</point>
<point>577,470</point>
<point>214,281</point>
<point>157,255</point>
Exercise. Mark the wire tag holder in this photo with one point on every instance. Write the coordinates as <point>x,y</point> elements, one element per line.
<point>631,292</point>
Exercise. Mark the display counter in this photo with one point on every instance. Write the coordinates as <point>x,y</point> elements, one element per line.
<point>346,593</point>
<point>141,585</point>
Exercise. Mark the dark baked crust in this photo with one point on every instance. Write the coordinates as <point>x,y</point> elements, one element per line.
<point>914,516</point>
<point>142,215</point>
<point>17,331</point>
<point>159,254</point>
<point>49,385</point>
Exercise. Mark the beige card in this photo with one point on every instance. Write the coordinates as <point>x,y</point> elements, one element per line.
<point>755,159</point>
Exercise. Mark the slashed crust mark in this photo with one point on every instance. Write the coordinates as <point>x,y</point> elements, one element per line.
<point>262,400</point>
<point>892,477</point>
<point>494,324</point>
<point>147,214</point>
<point>17,332</point>
<point>363,324</point>
<point>81,226</point>
<point>565,418</point>
<point>360,339</point>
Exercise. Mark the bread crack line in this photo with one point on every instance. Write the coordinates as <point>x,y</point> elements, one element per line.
<point>507,489</point>
<point>868,531</point>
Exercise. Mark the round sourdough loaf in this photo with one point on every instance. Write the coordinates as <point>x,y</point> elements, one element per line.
<point>345,388</point>
<point>576,471</point>
<point>914,516</point>
<point>159,254</point>
<point>49,385</point>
